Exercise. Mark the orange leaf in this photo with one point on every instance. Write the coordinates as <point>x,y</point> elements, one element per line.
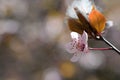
<point>97,20</point>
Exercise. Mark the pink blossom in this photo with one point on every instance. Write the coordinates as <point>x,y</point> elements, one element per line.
<point>78,46</point>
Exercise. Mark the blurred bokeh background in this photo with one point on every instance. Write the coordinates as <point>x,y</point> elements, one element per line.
<point>32,38</point>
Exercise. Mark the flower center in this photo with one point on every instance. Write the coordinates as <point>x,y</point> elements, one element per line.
<point>80,47</point>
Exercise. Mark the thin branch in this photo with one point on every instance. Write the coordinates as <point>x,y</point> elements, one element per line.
<point>110,48</point>
<point>110,44</point>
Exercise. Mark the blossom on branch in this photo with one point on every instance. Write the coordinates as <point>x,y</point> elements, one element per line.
<point>78,46</point>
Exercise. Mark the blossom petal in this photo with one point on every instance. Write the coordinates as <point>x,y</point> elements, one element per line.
<point>71,47</point>
<point>74,35</point>
<point>84,6</point>
<point>84,38</point>
<point>86,49</point>
<point>109,24</point>
<point>75,57</point>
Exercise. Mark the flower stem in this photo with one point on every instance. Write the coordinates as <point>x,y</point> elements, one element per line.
<point>110,44</point>
<point>110,48</point>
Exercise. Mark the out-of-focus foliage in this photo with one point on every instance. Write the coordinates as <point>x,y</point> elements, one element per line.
<point>32,38</point>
